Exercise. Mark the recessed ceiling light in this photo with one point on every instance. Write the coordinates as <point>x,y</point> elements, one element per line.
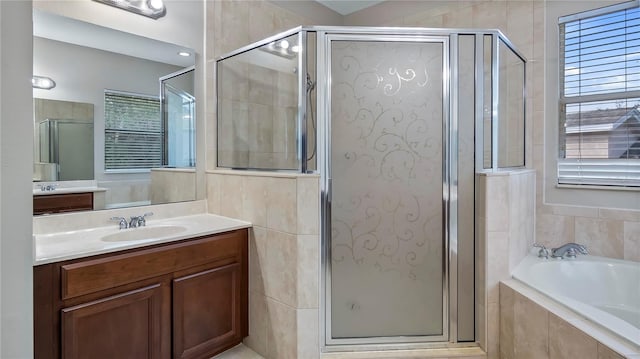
<point>184,53</point>
<point>284,44</point>
<point>295,48</point>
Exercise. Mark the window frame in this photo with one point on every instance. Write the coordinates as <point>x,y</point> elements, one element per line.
<point>561,163</point>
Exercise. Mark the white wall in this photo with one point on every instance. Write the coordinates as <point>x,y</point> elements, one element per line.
<point>82,74</point>
<point>16,128</point>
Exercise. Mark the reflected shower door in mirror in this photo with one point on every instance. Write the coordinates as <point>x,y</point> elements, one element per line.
<point>110,79</point>
<point>178,118</point>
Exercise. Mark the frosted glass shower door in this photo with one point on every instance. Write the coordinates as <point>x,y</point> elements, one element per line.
<point>387,141</point>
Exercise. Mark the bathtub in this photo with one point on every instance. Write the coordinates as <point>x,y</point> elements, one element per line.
<point>604,290</point>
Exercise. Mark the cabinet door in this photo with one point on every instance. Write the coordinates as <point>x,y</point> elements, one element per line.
<point>207,312</point>
<point>126,325</point>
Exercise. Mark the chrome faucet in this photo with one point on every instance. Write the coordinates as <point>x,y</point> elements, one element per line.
<point>139,221</point>
<point>569,250</point>
<point>122,222</point>
<point>48,187</point>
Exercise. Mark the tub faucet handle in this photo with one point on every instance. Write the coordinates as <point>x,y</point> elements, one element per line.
<point>543,252</point>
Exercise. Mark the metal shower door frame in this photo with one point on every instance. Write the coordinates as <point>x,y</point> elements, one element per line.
<point>324,39</point>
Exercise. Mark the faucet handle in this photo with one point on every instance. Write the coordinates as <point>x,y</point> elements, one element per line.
<point>543,252</point>
<point>582,249</point>
<point>122,222</point>
<point>142,219</point>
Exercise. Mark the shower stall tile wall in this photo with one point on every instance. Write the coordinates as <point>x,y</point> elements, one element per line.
<point>283,256</point>
<point>505,206</point>
<point>396,144</point>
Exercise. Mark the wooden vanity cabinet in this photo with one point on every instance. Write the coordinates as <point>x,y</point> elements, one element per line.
<point>61,203</point>
<point>184,299</point>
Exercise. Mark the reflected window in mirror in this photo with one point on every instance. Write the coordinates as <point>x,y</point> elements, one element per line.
<point>133,132</point>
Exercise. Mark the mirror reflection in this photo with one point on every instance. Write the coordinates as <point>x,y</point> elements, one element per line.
<point>120,120</point>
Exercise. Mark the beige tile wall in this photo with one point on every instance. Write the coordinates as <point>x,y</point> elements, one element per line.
<point>284,256</point>
<point>284,243</point>
<point>532,326</point>
<point>232,24</point>
<point>606,232</point>
<point>172,185</point>
<point>505,210</point>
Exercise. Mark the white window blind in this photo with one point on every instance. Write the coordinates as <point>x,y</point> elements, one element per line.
<point>600,97</point>
<point>133,131</point>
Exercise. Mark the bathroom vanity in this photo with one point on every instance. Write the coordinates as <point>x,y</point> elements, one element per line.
<point>182,296</point>
<point>60,203</point>
<point>67,196</point>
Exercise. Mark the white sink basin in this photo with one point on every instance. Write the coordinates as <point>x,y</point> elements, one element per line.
<point>143,233</point>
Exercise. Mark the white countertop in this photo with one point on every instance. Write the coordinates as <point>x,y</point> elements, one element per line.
<point>55,247</point>
<point>63,187</point>
<point>65,190</point>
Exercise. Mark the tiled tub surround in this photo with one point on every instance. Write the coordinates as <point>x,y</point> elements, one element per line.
<point>607,232</point>
<point>601,289</point>
<point>534,326</point>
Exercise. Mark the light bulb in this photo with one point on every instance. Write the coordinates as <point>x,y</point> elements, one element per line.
<point>42,82</point>
<point>295,48</point>
<point>284,44</point>
<point>156,4</point>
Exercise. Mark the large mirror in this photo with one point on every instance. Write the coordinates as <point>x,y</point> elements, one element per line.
<point>121,115</point>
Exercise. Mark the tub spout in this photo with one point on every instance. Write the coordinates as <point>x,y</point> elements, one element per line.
<point>569,250</point>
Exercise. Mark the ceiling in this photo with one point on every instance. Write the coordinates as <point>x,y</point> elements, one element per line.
<point>346,7</point>
<point>77,32</point>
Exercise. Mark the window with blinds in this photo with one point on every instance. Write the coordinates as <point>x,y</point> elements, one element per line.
<point>600,97</point>
<point>133,131</point>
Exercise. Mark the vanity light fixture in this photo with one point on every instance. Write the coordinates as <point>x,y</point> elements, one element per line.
<point>151,8</point>
<point>42,82</point>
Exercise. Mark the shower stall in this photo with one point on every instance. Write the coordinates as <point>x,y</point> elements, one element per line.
<point>397,122</point>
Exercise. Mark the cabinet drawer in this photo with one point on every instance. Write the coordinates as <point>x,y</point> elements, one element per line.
<point>103,273</point>
<point>58,203</point>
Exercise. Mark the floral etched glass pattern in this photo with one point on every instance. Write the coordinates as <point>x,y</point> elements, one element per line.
<point>387,179</point>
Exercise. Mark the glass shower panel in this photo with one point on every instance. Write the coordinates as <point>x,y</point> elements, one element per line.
<point>510,108</point>
<point>387,238</point>
<point>258,107</point>
<point>312,102</point>
<point>487,107</point>
<point>466,185</point>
